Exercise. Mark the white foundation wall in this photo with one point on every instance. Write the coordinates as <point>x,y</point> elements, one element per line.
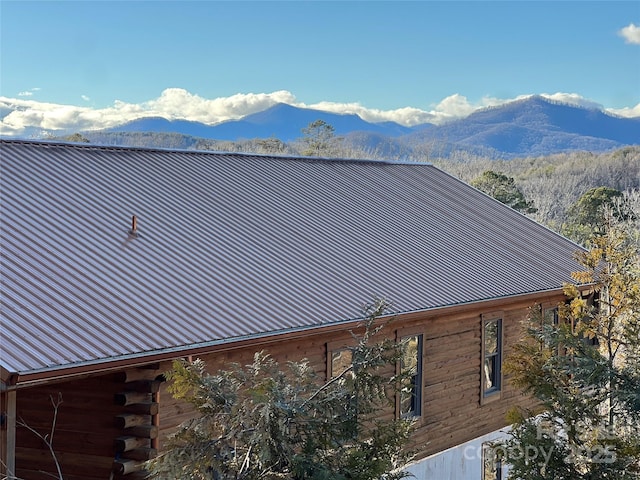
<point>463,462</point>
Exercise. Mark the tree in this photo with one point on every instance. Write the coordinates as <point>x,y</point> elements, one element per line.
<point>264,422</point>
<point>270,145</point>
<point>585,372</point>
<point>503,189</point>
<point>586,217</point>
<point>319,139</point>
<point>76,138</point>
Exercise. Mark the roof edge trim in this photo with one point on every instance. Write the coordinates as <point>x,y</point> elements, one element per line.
<point>105,365</point>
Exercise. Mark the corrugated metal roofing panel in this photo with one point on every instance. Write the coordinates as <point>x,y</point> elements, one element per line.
<point>235,245</point>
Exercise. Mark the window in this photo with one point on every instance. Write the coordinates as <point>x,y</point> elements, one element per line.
<point>341,360</point>
<point>550,319</point>
<point>411,370</point>
<point>491,462</point>
<point>593,300</point>
<point>491,376</point>
<point>550,316</point>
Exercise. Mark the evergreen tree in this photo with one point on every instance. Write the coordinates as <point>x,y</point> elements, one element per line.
<point>265,422</point>
<point>587,216</point>
<point>319,139</point>
<point>504,189</point>
<point>76,137</point>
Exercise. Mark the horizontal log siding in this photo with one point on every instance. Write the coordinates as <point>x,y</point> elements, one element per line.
<point>86,426</point>
<point>174,412</point>
<point>84,434</point>
<point>452,413</point>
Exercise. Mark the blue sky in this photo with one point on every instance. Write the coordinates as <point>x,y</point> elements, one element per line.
<point>92,63</point>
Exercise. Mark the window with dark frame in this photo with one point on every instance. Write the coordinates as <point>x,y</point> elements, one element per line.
<point>492,356</point>
<point>411,371</point>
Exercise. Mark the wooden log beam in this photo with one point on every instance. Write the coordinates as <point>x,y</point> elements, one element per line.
<point>127,420</point>
<point>144,408</point>
<point>142,431</point>
<point>143,453</point>
<point>146,386</point>
<point>125,467</point>
<point>128,443</point>
<point>134,374</point>
<point>127,398</point>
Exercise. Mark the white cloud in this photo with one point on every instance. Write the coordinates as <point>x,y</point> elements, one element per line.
<point>29,113</point>
<point>450,108</point>
<point>173,103</point>
<point>628,112</point>
<point>454,106</point>
<point>28,93</point>
<point>177,103</point>
<point>631,34</point>
<point>458,106</point>
<point>18,114</point>
<point>85,98</point>
<point>575,99</point>
<point>405,116</point>
<point>572,99</point>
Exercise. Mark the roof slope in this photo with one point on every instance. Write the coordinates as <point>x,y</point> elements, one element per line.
<point>234,245</point>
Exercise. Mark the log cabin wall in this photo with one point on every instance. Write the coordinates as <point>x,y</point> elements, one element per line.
<point>7,430</point>
<point>451,384</point>
<point>452,409</point>
<point>84,434</point>
<point>311,347</point>
<point>104,426</point>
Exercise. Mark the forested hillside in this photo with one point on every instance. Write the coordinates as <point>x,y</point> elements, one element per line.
<point>554,183</point>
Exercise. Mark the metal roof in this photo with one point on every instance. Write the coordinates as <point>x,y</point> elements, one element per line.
<point>237,245</point>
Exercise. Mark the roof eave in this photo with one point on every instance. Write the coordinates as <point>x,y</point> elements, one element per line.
<point>93,367</point>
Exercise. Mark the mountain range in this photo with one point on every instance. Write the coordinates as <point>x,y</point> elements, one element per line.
<point>530,127</point>
<point>281,121</point>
